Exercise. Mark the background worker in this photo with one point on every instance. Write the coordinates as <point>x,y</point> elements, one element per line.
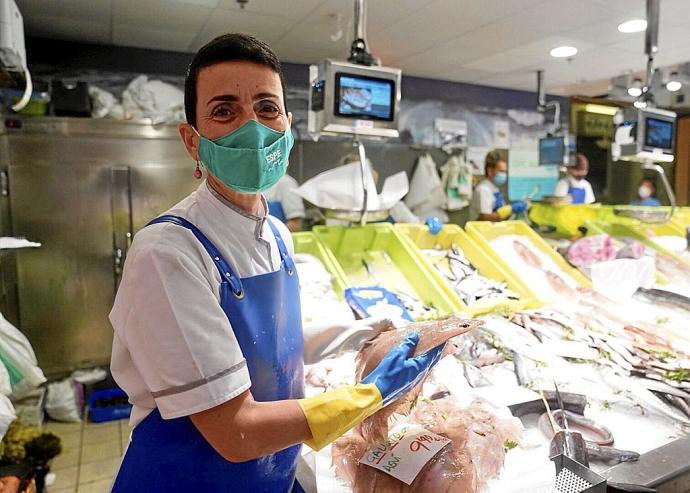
<point>575,183</point>
<point>646,193</point>
<point>487,202</point>
<point>285,204</point>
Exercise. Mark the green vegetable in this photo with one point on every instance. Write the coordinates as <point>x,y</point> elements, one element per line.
<point>509,445</point>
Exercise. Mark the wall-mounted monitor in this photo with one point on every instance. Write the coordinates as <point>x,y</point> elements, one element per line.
<point>552,151</point>
<point>346,98</point>
<point>647,134</point>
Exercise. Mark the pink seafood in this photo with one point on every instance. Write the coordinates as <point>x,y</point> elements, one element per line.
<point>431,334</point>
<point>591,250</point>
<point>527,255</point>
<point>475,454</point>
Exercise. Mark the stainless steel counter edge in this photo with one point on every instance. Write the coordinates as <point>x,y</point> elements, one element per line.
<point>92,127</point>
<point>666,468</point>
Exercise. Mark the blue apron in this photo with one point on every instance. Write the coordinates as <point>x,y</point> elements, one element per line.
<point>499,201</point>
<point>170,455</point>
<point>578,194</point>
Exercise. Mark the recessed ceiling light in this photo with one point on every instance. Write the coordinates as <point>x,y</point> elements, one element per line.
<point>633,26</point>
<point>640,104</point>
<point>674,85</point>
<point>563,51</point>
<point>635,89</point>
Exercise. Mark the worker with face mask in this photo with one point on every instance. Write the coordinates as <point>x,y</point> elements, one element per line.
<point>646,193</point>
<point>488,203</point>
<point>575,184</point>
<point>208,339</point>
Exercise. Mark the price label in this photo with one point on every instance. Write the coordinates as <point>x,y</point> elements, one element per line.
<point>407,450</point>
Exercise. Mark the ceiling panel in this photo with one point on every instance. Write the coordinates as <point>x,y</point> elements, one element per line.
<point>157,39</point>
<point>164,15</point>
<point>221,22</point>
<point>501,42</point>
<point>436,23</point>
<point>527,55</point>
<point>42,11</point>
<point>287,9</point>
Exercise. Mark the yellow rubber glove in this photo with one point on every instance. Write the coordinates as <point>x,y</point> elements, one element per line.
<point>332,413</point>
<point>505,212</point>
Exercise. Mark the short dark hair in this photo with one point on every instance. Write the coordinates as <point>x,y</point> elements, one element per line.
<point>492,159</point>
<point>581,161</point>
<point>226,48</point>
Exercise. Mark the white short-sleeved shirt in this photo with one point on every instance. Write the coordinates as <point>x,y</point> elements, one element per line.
<point>173,347</point>
<point>483,199</point>
<point>285,192</point>
<point>564,185</point>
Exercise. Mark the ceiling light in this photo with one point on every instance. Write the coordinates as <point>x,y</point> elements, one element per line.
<point>633,26</point>
<point>640,104</point>
<point>601,109</point>
<point>673,84</point>
<point>635,89</point>
<point>563,51</point>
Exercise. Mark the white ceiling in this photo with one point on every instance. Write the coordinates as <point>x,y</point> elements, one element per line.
<point>492,42</point>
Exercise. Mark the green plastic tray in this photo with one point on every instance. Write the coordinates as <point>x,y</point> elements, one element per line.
<point>306,242</point>
<point>396,264</point>
<point>451,234</point>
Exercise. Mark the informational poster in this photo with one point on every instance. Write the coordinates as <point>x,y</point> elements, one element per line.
<point>526,179</point>
<point>450,132</point>
<point>501,134</point>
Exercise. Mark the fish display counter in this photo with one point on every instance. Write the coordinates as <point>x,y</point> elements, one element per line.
<point>611,368</point>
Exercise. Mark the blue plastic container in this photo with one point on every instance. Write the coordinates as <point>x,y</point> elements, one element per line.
<point>108,413</point>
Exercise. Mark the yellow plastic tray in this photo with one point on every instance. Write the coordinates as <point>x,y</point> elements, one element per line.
<point>306,242</point>
<point>681,217</point>
<point>452,234</point>
<point>562,220</point>
<point>396,264</point>
<point>483,232</point>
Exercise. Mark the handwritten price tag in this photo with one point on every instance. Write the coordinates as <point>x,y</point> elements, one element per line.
<point>407,450</point>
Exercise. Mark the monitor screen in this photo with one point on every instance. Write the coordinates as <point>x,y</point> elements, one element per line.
<point>659,134</point>
<point>551,151</point>
<point>358,96</point>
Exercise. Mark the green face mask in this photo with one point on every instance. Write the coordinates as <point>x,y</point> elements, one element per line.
<point>250,159</point>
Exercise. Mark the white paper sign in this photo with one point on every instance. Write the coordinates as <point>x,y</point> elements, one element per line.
<point>407,450</point>
<point>501,134</point>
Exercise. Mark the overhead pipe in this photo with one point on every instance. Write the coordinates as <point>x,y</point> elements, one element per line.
<point>361,20</point>
<point>542,105</point>
<point>651,40</point>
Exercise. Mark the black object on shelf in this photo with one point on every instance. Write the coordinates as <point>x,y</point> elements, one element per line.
<point>70,99</point>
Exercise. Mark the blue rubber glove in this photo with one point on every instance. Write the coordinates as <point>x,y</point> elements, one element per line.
<point>519,206</point>
<point>397,373</point>
<point>434,224</point>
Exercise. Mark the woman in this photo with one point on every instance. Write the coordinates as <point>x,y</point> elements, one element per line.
<point>647,194</point>
<point>488,203</point>
<point>208,340</point>
<point>575,183</point>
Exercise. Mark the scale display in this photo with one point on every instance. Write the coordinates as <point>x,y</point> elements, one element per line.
<point>551,151</point>
<point>364,97</point>
<point>659,134</point>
